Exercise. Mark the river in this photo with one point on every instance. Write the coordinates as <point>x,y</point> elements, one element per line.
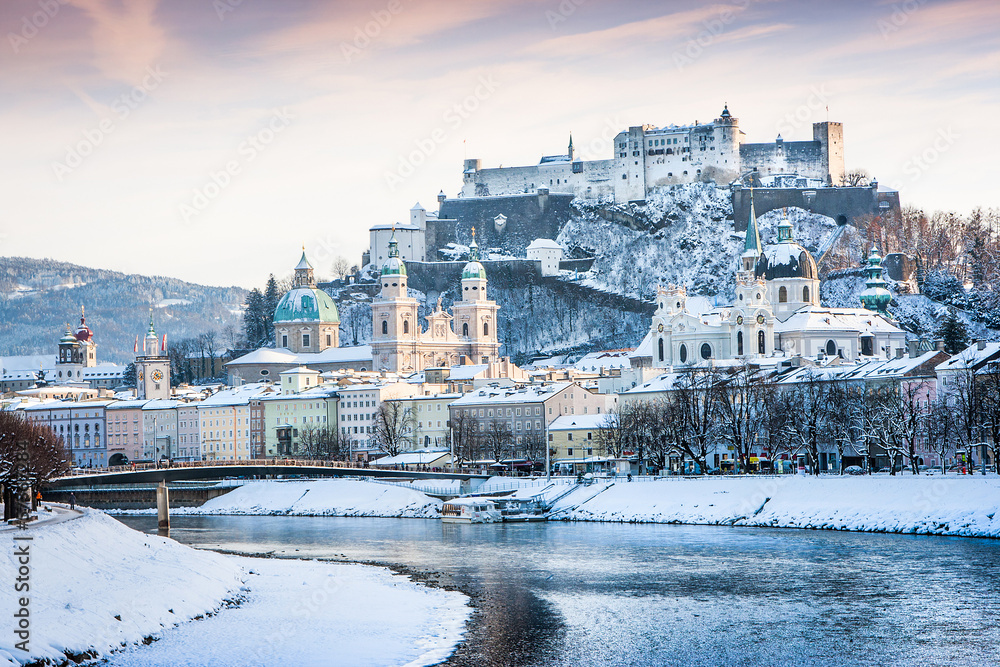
<point>580,594</point>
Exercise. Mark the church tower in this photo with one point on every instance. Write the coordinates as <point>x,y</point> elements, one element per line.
<point>152,367</point>
<point>475,316</point>
<point>751,320</point>
<point>395,327</point>
<point>875,296</point>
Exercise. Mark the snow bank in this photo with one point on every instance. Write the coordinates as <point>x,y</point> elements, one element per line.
<point>98,586</point>
<point>958,505</point>
<point>324,497</point>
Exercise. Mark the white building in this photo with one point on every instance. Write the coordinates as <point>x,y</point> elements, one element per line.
<point>410,237</point>
<point>548,252</point>
<point>159,429</point>
<point>776,313</point>
<point>356,408</point>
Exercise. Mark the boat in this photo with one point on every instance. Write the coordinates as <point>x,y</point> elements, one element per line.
<point>470,510</point>
<point>515,510</point>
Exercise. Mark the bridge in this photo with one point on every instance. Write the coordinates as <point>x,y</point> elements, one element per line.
<point>217,470</point>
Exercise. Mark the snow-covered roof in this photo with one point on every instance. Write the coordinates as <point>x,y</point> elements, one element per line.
<point>605,359</point>
<point>238,395</point>
<point>575,422</point>
<point>127,405</point>
<point>299,369</point>
<point>280,355</point>
<point>971,357</point>
<point>398,226</point>
<point>538,244</point>
<point>467,371</point>
<point>812,319</point>
<point>161,404</point>
<point>664,382</point>
<point>529,394</point>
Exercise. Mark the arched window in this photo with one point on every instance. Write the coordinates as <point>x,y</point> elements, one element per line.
<point>385,327</point>
<point>739,343</point>
<point>706,351</point>
<point>465,329</point>
<point>831,348</point>
<point>683,353</point>
<point>406,326</point>
<point>760,342</point>
<point>660,346</point>
<point>486,328</point>
<point>805,294</point>
<point>782,295</point>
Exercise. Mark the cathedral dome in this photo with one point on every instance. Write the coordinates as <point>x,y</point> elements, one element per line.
<point>68,337</point>
<point>394,266</point>
<point>786,258</point>
<point>306,304</point>
<point>474,270</point>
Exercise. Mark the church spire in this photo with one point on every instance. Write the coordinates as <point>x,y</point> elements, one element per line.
<point>569,151</point>
<point>473,248</point>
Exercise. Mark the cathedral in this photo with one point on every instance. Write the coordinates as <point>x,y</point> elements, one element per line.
<point>776,313</point>
<point>466,336</point>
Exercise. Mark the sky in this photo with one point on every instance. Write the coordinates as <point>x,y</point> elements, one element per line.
<point>210,140</point>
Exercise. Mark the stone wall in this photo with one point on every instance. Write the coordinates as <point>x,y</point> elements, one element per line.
<point>528,217</point>
<point>845,205</point>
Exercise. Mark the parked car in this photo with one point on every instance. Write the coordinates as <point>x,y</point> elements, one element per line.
<point>854,470</point>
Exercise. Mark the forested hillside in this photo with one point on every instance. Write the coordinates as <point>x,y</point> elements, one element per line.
<point>39,296</point>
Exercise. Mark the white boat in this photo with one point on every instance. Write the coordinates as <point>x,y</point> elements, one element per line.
<point>470,510</point>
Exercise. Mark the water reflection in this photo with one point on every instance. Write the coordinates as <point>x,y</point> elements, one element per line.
<point>612,594</point>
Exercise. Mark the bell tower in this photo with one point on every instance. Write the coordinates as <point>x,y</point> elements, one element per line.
<point>152,367</point>
<point>395,324</point>
<point>475,316</point>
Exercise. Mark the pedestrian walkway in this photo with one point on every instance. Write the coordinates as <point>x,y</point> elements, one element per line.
<point>59,514</point>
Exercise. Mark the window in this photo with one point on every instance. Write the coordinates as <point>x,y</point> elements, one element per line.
<point>329,340</point>
<point>305,340</point>
<point>385,327</point>
<point>760,342</point>
<point>486,328</point>
<point>706,351</point>
<point>284,340</point>
<point>831,348</point>
<point>660,347</point>
<point>805,294</point>
<point>782,295</point>
<point>465,329</point>
<point>406,326</point>
<point>683,353</point>
<point>569,436</point>
<point>569,451</point>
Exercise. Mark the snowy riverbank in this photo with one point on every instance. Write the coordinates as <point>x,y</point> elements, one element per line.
<point>323,497</point>
<point>97,586</point>
<point>949,505</point>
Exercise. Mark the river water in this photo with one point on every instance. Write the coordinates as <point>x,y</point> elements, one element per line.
<point>580,594</point>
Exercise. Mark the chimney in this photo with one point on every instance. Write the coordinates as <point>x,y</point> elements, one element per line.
<point>939,345</point>
<point>912,347</point>
<point>899,353</point>
<point>981,345</point>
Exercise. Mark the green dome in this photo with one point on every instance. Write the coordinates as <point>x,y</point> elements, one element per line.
<point>394,266</point>
<point>68,337</point>
<point>474,270</point>
<point>306,304</point>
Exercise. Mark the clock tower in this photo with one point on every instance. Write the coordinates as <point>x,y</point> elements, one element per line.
<point>152,366</point>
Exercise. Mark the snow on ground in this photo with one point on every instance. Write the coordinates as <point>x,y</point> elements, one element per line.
<point>940,505</point>
<point>321,497</point>
<point>97,585</point>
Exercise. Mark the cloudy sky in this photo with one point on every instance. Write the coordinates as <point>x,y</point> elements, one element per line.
<point>210,139</point>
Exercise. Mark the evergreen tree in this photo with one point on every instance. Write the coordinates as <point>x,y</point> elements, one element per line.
<point>271,298</point>
<point>254,319</point>
<point>952,332</point>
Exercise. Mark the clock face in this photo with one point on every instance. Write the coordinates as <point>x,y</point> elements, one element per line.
<point>760,319</point>
<point>140,376</point>
<point>739,319</point>
<point>660,328</point>
<point>157,375</point>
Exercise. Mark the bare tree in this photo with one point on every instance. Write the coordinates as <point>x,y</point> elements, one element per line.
<point>844,419</point>
<point>30,453</point>
<point>610,435</point>
<point>990,407</point>
<point>341,268</point>
<point>465,437</point>
<point>805,418</point>
<point>742,404</point>
<point>857,178</point>
<point>698,408</point>
<point>498,440</point>
<point>392,430</point>
<point>942,427</point>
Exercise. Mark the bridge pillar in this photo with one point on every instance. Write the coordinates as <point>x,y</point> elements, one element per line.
<point>163,507</point>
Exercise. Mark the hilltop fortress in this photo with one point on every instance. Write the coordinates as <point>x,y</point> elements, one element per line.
<point>646,157</point>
